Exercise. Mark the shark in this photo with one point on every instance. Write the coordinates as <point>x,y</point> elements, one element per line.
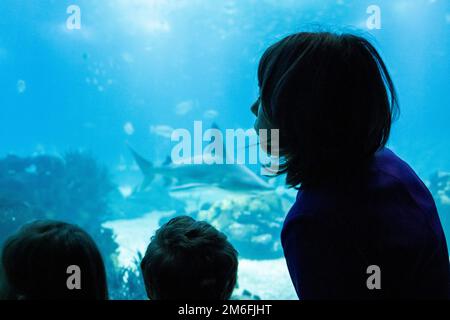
<point>229,177</point>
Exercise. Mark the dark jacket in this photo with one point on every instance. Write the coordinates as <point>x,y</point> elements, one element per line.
<point>332,235</point>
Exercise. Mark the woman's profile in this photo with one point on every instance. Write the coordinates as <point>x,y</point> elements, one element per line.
<point>363,226</point>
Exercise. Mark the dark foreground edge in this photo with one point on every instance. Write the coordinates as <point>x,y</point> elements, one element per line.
<point>266,309</point>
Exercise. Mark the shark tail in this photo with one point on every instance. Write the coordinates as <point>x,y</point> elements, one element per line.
<point>145,166</point>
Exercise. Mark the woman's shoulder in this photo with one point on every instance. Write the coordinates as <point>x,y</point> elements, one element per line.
<point>391,172</point>
<point>389,177</point>
<point>387,163</point>
<point>309,206</point>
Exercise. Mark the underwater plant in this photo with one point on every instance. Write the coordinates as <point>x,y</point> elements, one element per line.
<point>127,283</point>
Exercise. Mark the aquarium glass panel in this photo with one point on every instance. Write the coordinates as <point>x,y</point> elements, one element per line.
<point>99,97</point>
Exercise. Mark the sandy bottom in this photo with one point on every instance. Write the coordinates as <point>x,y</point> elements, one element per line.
<point>269,279</point>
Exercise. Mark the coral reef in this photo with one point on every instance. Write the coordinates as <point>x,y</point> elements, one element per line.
<point>74,188</point>
<point>252,223</point>
<point>245,295</point>
<point>140,202</point>
<point>439,185</point>
<point>14,214</point>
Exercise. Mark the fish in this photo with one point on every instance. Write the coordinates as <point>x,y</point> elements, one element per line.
<point>184,107</point>
<point>162,130</point>
<point>230,177</point>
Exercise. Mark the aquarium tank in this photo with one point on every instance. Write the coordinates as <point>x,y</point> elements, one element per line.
<point>96,96</point>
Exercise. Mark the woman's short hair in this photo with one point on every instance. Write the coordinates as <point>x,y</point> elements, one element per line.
<point>35,261</point>
<point>333,100</point>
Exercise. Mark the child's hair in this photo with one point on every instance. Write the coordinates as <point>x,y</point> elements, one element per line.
<point>35,261</point>
<point>188,259</point>
<point>333,101</point>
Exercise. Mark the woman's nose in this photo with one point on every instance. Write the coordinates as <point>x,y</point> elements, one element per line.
<point>255,107</point>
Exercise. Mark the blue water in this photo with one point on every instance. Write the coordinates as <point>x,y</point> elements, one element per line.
<point>137,67</point>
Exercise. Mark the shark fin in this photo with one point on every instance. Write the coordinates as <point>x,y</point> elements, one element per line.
<point>222,152</point>
<point>189,186</point>
<point>145,166</point>
<point>167,181</point>
<point>145,183</point>
<point>168,161</point>
<point>215,126</point>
